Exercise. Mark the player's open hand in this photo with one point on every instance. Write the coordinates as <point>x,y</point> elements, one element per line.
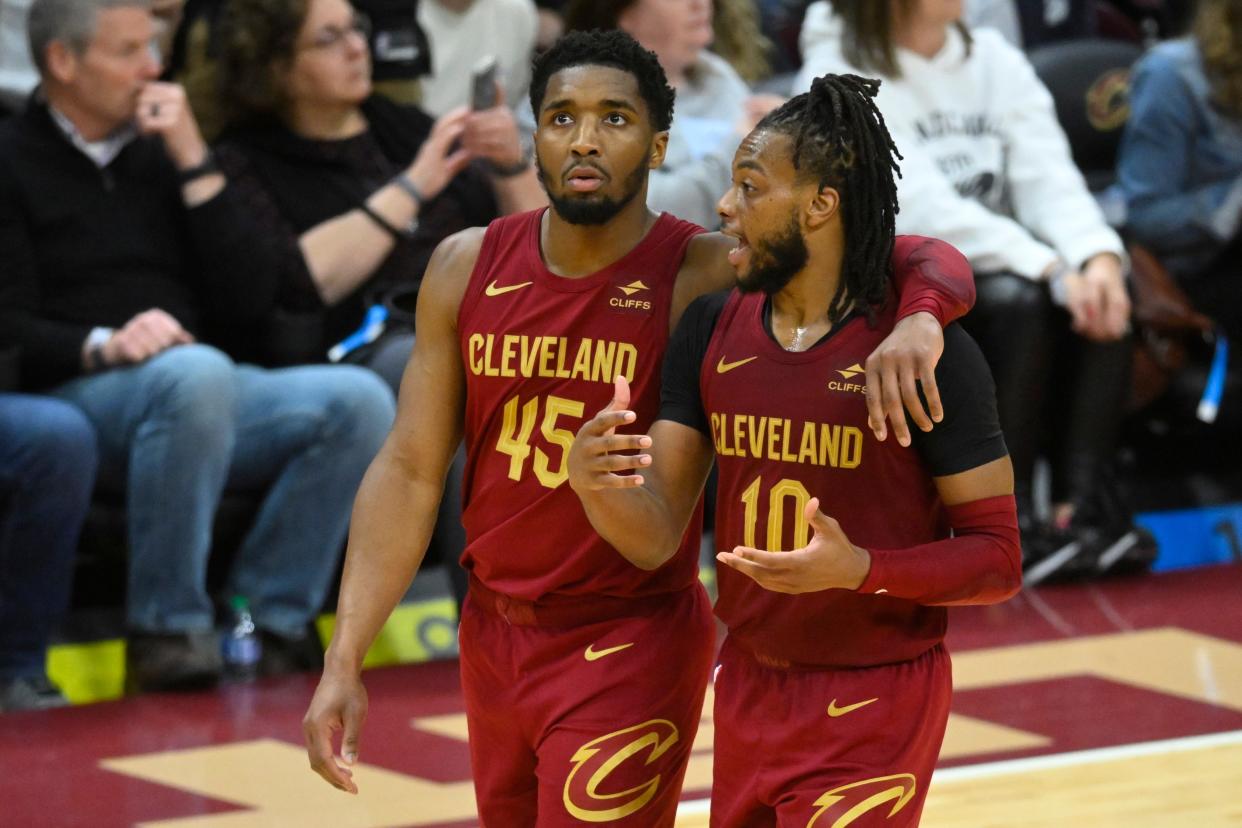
<point>906,355</point>
<point>340,703</point>
<point>594,461</point>
<point>829,561</point>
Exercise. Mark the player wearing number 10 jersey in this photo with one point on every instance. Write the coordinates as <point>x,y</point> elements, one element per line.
<point>583,674</point>
<point>833,690</point>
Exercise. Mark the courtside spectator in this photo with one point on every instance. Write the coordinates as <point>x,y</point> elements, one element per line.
<point>126,252</point>
<point>47,469</point>
<point>352,192</point>
<point>987,168</point>
<point>1180,164</point>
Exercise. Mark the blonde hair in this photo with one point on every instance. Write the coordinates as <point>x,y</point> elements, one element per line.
<point>1218,32</point>
<point>739,39</point>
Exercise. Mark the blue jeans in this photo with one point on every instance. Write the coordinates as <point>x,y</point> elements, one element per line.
<point>178,429</point>
<point>47,470</point>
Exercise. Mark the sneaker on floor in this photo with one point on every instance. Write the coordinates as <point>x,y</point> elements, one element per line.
<point>282,655</point>
<point>30,693</point>
<point>171,661</point>
<point>1133,551</point>
<point>1051,556</point>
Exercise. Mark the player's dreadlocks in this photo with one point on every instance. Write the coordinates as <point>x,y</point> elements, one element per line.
<point>607,48</point>
<point>841,140</point>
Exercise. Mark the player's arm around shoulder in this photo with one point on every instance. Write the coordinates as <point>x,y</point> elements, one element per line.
<point>638,490</point>
<point>935,285</point>
<point>395,510</point>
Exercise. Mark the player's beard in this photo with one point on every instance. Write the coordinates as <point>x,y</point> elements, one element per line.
<point>774,263</point>
<point>593,209</point>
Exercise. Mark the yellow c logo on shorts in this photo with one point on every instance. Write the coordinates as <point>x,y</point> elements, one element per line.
<point>898,789</point>
<point>598,758</point>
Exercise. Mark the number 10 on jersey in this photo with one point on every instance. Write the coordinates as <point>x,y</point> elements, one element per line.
<point>515,431</point>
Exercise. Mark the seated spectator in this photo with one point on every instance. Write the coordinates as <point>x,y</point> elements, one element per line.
<point>126,252</point>
<point>987,168</point>
<point>47,470</point>
<point>1180,164</point>
<point>461,32</point>
<point>351,191</point>
<point>400,55</point>
<point>715,108</point>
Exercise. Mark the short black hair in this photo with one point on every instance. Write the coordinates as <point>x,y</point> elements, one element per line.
<point>599,47</point>
<point>841,141</point>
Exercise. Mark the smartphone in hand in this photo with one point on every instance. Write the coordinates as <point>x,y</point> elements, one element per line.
<point>483,84</point>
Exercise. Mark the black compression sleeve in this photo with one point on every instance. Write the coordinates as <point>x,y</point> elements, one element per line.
<point>680,397</point>
<point>970,434</point>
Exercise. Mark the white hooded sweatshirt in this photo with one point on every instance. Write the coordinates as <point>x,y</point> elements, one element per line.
<point>986,166</point>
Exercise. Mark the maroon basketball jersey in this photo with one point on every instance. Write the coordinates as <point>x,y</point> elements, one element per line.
<point>791,426</point>
<point>540,353</point>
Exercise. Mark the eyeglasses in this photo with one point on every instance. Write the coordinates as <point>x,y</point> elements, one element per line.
<point>330,37</point>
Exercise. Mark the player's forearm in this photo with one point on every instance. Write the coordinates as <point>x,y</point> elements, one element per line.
<point>392,522</point>
<point>636,522</point>
<point>981,564</point>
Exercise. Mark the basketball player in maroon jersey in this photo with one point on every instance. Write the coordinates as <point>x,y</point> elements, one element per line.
<point>581,706</point>
<point>833,690</point>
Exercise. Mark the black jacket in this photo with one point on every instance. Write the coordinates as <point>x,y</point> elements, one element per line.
<point>82,247</point>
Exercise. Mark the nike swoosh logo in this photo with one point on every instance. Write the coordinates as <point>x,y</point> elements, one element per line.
<point>723,367</point>
<point>496,290</point>
<point>593,654</point>
<point>835,711</point>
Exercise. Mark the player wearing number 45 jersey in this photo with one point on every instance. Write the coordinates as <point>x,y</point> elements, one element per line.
<point>582,707</point>
<point>833,689</point>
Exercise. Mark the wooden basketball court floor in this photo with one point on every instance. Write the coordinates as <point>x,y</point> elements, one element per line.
<point>1109,704</point>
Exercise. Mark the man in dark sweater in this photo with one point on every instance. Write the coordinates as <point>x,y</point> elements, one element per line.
<point>123,254</point>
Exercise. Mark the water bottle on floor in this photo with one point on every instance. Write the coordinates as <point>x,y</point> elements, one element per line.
<point>241,646</point>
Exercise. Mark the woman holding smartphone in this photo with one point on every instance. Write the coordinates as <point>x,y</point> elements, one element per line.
<point>355,190</point>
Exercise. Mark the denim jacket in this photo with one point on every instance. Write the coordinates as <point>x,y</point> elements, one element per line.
<point>1180,164</point>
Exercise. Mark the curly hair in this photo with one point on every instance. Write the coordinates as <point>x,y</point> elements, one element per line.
<point>1218,32</point>
<point>584,15</point>
<point>605,48</point>
<point>258,38</point>
<point>841,141</point>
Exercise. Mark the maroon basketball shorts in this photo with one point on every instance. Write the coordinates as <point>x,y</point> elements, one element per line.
<point>816,748</point>
<point>577,721</point>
